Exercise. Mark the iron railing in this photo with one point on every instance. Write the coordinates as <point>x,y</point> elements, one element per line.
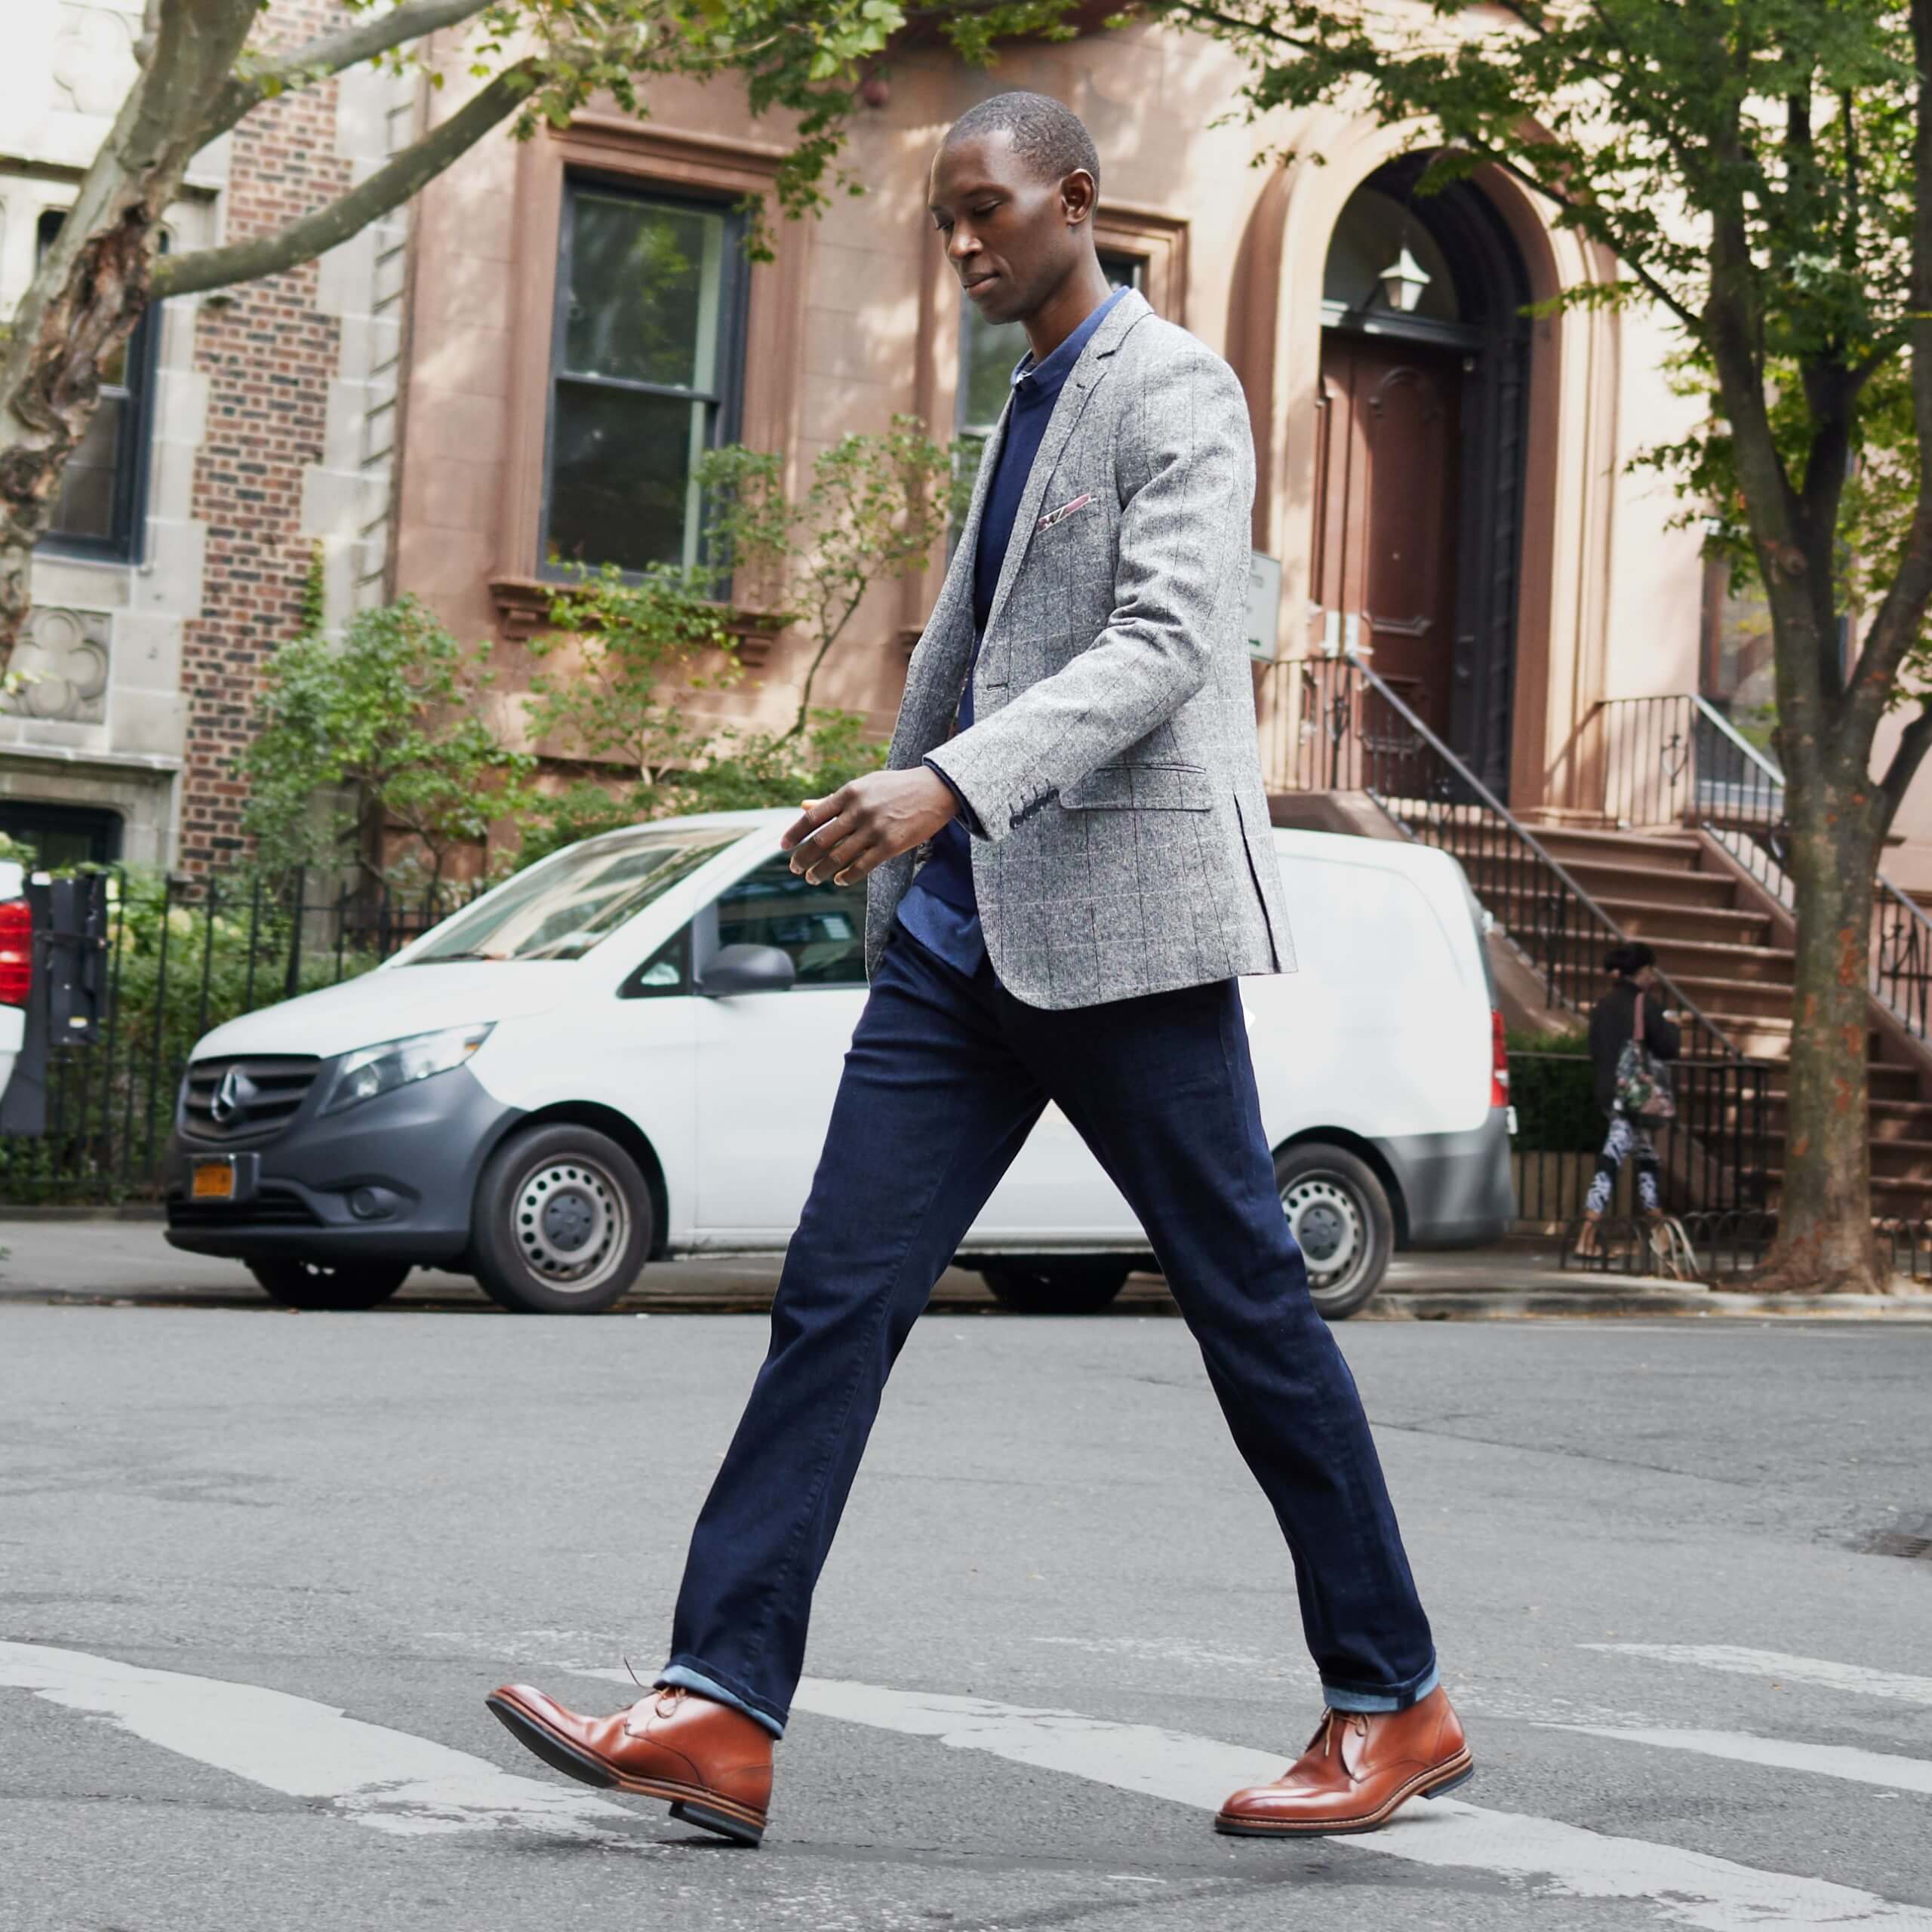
<point>1711,1156</point>
<point>1332,724</point>
<point>1679,761</point>
<point>182,954</point>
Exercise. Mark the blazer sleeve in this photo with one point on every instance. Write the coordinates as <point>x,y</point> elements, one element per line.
<point>1186,469</point>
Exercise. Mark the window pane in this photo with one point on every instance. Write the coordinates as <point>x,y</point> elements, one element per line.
<point>562,908</point>
<point>822,927</point>
<point>644,289</point>
<point>1372,230</point>
<point>85,505</point>
<point>620,470</point>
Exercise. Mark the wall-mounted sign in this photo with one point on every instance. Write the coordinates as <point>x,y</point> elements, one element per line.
<point>1264,603</point>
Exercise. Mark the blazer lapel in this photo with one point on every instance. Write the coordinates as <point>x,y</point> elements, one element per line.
<point>938,663</point>
<point>1068,408</point>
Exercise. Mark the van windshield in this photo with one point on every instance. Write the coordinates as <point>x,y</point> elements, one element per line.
<point>561,907</point>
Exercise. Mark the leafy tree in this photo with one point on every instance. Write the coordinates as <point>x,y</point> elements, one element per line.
<point>1762,170</point>
<point>627,652</point>
<point>393,713</point>
<point>203,67</point>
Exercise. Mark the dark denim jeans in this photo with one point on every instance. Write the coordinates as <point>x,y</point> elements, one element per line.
<point>944,1077</point>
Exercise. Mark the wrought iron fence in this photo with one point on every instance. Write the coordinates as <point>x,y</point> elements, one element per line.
<point>182,954</point>
<point>1332,723</point>
<point>1713,1156</point>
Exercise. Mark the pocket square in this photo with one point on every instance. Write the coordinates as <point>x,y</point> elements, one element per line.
<point>1052,517</point>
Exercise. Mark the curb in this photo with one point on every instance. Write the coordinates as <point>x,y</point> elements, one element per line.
<point>1452,1305</point>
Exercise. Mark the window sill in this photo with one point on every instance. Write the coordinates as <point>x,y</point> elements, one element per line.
<point>523,609</point>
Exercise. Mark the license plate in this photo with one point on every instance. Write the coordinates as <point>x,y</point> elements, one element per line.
<point>215,1180</point>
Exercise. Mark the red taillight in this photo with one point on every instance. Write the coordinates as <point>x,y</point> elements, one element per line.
<point>1499,1062</point>
<point>16,951</point>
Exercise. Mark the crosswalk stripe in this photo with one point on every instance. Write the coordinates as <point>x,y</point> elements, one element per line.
<point>1831,1760</point>
<point>1687,1887</point>
<point>389,1779</point>
<point>1822,1672</point>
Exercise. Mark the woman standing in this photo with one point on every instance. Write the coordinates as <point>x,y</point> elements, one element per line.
<point>1613,1022</point>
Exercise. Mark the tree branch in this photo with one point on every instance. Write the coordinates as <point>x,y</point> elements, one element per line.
<point>258,81</point>
<point>1906,757</point>
<point>1901,614</point>
<point>403,176</point>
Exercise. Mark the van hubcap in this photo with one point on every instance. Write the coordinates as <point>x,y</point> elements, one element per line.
<point>572,1223</point>
<point>1326,1220</point>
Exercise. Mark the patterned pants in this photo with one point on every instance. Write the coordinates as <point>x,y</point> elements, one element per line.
<point>1625,1138</point>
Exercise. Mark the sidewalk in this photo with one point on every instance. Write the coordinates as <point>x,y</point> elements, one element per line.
<point>124,1261</point>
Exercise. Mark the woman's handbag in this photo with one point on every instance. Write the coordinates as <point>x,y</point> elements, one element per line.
<point>1643,1087</point>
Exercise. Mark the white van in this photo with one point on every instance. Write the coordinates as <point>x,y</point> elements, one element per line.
<point>630,1051</point>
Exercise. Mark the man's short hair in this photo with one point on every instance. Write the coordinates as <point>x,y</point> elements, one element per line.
<point>1048,135</point>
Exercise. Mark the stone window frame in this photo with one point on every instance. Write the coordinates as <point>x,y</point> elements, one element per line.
<point>126,543</point>
<point>1157,237</point>
<point>644,156</point>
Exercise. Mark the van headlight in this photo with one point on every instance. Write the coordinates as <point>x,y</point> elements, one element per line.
<point>389,1064</point>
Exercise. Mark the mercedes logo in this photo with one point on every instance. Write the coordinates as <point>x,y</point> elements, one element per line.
<point>229,1095</point>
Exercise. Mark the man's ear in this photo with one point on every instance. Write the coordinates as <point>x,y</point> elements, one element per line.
<point>1078,195</point>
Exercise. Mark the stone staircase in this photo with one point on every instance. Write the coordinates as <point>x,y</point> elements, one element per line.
<point>1717,946</point>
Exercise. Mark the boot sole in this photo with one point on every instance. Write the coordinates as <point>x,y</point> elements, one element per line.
<point>1437,1783</point>
<point>690,1803</point>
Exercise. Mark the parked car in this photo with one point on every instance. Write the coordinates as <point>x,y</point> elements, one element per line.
<point>630,1051</point>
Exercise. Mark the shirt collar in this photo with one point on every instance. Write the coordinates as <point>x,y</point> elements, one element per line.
<point>1053,372</point>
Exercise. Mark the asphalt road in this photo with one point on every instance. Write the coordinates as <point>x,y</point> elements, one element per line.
<point>258,1569</point>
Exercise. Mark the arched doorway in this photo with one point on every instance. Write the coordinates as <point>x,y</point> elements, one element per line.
<point>1418,493</point>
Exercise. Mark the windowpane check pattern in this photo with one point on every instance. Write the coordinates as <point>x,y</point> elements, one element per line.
<point>99,510</point>
<point>645,373</point>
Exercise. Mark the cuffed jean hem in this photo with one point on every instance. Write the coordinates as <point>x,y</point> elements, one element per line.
<point>687,1677</point>
<point>1343,1697</point>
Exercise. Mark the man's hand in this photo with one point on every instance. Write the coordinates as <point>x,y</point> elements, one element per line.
<point>863,824</point>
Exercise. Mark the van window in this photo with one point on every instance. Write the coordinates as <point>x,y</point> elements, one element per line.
<point>822,927</point>
<point>562,908</point>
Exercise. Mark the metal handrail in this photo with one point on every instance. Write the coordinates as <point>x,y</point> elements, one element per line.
<point>1900,975</point>
<point>1527,838</point>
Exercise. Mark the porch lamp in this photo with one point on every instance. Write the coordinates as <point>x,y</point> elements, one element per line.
<point>1403,281</point>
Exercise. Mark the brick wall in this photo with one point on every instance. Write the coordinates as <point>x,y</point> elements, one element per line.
<point>269,357</point>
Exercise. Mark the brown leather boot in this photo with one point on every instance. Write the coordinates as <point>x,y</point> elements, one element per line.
<point>713,1763</point>
<point>1359,1768</point>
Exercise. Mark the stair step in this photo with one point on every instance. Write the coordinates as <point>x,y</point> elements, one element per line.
<point>1646,919</point>
<point>1726,960</point>
<point>1654,885</point>
<point>1561,842</point>
<point>1761,999</point>
<point>1889,1086</point>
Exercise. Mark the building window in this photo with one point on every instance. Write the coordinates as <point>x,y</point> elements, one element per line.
<point>102,501</point>
<point>988,352</point>
<point>61,835</point>
<point>1739,677</point>
<point>645,362</point>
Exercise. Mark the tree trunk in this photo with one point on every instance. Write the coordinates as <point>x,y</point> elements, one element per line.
<point>1826,1243</point>
<point>54,395</point>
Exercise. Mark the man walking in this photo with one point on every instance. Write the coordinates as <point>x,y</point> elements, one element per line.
<point>1076,753</point>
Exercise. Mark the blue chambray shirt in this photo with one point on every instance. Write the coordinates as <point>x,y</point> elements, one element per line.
<point>939,909</point>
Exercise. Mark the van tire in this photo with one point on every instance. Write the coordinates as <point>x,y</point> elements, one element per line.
<point>562,1224</point>
<point>1339,1212</point>
<point>1069,1284</point>
<point>296,1283</point>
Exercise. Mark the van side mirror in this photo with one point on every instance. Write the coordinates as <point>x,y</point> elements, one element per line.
<point>748,969</point>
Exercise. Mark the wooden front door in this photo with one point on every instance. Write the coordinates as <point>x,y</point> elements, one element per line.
<point>1387,480</point>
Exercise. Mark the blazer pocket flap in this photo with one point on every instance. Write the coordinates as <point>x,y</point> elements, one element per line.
<point>1151,788</point>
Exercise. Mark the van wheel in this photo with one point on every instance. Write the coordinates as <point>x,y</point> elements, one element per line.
<point>562,1224</point>
<point>1339,1214</point>
<point>298,1284</point>
<point>1078,1284</point>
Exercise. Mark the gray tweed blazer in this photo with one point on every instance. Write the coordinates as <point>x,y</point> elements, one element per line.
<point>1124,844</point>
